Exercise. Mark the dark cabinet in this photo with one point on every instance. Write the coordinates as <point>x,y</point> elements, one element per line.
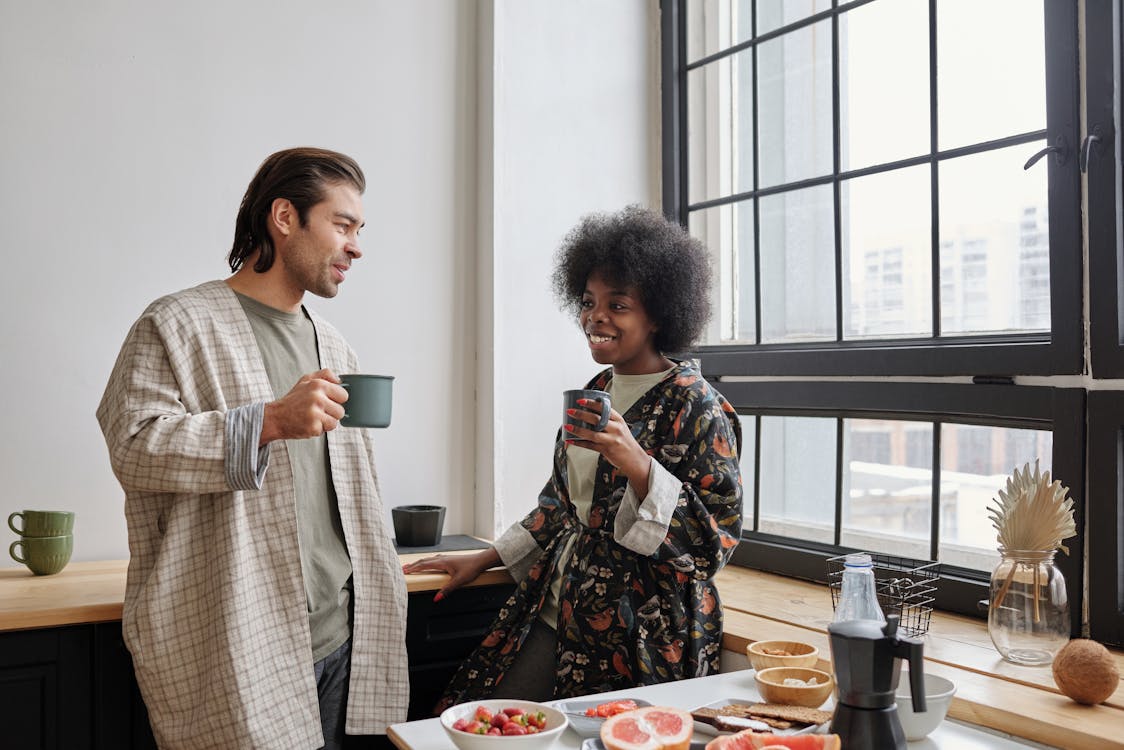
<point>70,688</point>
<point>440,635</point>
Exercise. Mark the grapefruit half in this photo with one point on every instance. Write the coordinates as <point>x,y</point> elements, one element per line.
<point>648,728</point>
<point>751,740</point>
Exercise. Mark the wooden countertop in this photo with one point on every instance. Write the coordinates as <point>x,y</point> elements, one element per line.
<point>87,592</point>
<point>82,592</point>
<point>1021,701</point>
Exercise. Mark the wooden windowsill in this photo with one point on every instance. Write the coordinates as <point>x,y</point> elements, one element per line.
<point>1021,701</point>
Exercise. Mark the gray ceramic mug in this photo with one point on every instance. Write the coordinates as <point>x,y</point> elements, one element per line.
<point>570,401</point>
<point>369,400</point>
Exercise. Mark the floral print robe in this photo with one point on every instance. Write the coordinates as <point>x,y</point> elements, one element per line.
<point>627,619</point>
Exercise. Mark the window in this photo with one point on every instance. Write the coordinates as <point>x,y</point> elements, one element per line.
<point>891,192</point>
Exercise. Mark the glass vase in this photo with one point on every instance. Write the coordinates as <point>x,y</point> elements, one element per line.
<point>1028,615</point>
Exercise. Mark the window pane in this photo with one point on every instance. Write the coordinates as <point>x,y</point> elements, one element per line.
<point>884,47</point>
<point>727,232</point>
<point>714,25</point>
<point>887,486</point>
<point>773,14</point>
<point>887,245</point>
<point>794,105</point>
<point>991,70</point>
<point>994,243</point>
<point>720,128</point>
<point>798,266</point>
<point>748,467</point>
<point>975,463</point>
<point>798,477</point>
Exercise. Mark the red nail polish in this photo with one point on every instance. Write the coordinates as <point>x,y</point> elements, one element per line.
<point>571,412</point>
<point>569,427</point>
<point>438,597</point>
<point>583,401</point>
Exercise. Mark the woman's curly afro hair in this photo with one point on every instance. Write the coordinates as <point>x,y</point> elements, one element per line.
<point>667,268</point>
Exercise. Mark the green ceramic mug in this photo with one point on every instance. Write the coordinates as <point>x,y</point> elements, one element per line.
<point>43,555</point>
<point>369,398</point>
<point>42,522</point>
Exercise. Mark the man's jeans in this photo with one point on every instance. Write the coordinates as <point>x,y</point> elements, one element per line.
<point>332,674</point>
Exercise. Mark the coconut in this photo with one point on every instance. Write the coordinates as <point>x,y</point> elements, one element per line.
<point>1085,671</point>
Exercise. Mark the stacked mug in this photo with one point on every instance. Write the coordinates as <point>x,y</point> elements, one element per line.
<point>46,539</point>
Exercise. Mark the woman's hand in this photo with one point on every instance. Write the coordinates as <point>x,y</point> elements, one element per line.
<point>461,569</point>
<point>615,443</point>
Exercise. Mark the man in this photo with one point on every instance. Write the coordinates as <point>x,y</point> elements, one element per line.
<point>265,605</point>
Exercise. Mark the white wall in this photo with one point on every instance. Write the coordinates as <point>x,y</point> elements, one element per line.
<point>129,131</point>
<point>574,96</point>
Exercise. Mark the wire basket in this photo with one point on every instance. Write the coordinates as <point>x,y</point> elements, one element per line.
<point>905,588</point>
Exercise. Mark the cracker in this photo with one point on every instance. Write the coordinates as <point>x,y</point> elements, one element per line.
<point>798,714</point>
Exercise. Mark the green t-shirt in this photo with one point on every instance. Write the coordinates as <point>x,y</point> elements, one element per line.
<point>288,347</point>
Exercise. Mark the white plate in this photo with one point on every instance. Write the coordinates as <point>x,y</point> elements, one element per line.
<point>713,731</point>
<point>589,726</point>
<point>595,743</point>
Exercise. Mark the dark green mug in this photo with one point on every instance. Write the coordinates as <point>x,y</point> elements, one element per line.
<point>43,555</point>
<point>369,399</point>
<point>42,522</point>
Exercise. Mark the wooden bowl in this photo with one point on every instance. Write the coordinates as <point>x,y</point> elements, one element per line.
<point>796,654</point>
<point>770,683</point>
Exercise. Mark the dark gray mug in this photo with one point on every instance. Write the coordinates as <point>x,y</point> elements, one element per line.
<point>369,400</point>
<point>570,401</point>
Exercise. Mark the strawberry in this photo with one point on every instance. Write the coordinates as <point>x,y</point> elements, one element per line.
<point>500,719</point>
<point>513,728</point>
<point>483,714</point>
<point>495,731</point>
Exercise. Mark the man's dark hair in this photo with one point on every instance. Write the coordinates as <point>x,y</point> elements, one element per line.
<point>301,176</point>
<point>639,248</point>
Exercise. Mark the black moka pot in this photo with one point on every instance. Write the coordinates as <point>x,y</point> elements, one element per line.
<point>865,654</point>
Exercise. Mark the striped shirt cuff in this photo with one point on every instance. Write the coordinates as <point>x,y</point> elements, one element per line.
<point>518,550</point>
<point>642,526</point>
<point>245,462</point>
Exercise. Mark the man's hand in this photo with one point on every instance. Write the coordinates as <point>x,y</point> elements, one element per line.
<point>313,406</point>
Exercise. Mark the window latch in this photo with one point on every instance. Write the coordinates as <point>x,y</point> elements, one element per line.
<point>1091,146</point>
<point>1058,150</point>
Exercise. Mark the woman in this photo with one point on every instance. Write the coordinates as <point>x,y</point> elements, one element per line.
<point>615,566</point>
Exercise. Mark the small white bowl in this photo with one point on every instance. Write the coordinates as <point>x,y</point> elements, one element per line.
<point>938,697</point>
<point>556,723</point>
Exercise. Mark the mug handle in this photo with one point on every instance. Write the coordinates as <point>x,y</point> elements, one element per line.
<point>345,386</point>
<point>12,551</point>
<point>606,407</point>
<point>12,526</point>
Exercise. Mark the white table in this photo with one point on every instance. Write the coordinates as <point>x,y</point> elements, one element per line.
<point>427,734</point>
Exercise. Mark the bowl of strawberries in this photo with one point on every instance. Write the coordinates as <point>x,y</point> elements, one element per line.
<point>495,724</point>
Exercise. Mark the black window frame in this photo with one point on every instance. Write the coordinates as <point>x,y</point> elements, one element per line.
<point>1059,353</point>
<point>1058,410</point>
<point>1105,538</point>
<point>1087,422</point>
<point>1102,148</point>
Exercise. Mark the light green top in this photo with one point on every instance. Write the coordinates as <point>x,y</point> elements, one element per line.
<point>581,475</point>
<point>288,347</point>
